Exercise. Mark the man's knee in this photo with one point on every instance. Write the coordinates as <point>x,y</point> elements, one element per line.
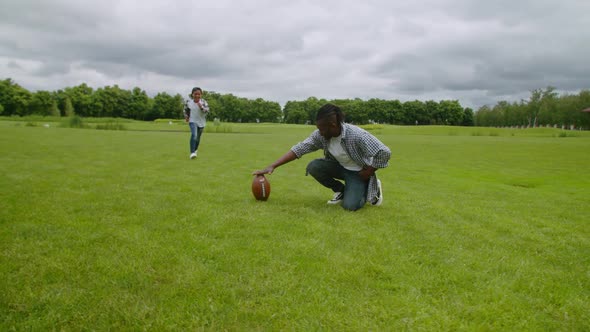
<point>352,203</point>
<point>314,167</point>
<point>351,206</point>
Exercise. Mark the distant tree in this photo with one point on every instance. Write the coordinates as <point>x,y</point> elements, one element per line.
<point>69,109</point>
<point>583,102</point>
<point>178,106</point>
<point>467,117</point>
<point>41,103</point>
<point>481,116</point>
<point>311,105</point>
<point>81,97</point>
<point>54,109</point>
<point>355,111</point>
<point>14,98</point>
<point>265,111</point>
<point>509,114</point>
<point>6,87</point>
<point>240,110</point>
<point>164,105</point>
<point>216,107</point>
<point>395,114</point>
<point>415,113</point>
<point>230,108</point>
<point>435,113</point>
<point>520,113</point>
<point>451,112</point>
<point>139,105</point>
<point>540,102</point>
<point>377,110</point>
<point>294,112</point>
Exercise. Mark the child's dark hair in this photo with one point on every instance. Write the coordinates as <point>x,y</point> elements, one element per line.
<point>329,110</point>
<point>195,89</point>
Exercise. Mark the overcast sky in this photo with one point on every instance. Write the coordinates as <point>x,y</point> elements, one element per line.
<point>475,51</point>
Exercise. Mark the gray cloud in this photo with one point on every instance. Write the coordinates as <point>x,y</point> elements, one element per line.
<point>476,52</point>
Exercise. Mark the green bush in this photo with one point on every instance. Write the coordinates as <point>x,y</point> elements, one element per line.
<point>74,121</point>
<point>170,121</point>
<point>565,133</point>
<point>111,125</point>
<point>219,127</point>
<point>372,127</point>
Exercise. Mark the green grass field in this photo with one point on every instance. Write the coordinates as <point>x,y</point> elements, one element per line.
<point>482,229</point>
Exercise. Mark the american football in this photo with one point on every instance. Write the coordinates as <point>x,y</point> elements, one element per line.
<point>260,187</point>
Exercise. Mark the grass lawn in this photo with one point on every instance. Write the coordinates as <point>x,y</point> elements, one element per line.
<point>481,229</point>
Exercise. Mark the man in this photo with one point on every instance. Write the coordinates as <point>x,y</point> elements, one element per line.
<point>195,113</point>
<point>351,154</point>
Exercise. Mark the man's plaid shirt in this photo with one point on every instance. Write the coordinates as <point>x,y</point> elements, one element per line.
<point>362,147</point>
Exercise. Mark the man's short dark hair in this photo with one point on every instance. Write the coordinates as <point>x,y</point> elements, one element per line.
<point>195,89</point>
<point>329,110</point>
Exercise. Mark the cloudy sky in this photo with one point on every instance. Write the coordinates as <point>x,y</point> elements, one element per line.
<point>478,52</point>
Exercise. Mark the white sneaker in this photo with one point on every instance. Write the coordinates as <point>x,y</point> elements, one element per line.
<point>379,199</point>
<point>193,155</point>
<point>337,198</point>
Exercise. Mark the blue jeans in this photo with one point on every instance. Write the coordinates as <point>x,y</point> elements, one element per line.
<point>195,136</point>
<point>327,172</point>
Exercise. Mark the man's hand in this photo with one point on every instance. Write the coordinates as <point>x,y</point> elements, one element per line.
<point>267,170</point>
<point>367,172</point>
<point>287,157</point>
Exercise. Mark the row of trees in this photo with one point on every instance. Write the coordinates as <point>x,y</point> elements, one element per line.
<point>445,112</point>
<point>112,101</point>
<point>543,107</point>
<point>84,101</point>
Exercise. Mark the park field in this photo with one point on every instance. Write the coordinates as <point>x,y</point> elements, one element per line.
<point>481,229</point>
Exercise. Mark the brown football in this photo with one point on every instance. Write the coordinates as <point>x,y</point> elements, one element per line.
<point>260,187</point>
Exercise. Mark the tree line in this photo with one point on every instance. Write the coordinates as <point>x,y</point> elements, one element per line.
<point>543,108</point>
<point>113,101</point>
<point>445,112</point>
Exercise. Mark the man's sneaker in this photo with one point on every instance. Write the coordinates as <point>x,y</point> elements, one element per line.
<point>193,155</point>
<point>379,199</point>
<point>337,198</point>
